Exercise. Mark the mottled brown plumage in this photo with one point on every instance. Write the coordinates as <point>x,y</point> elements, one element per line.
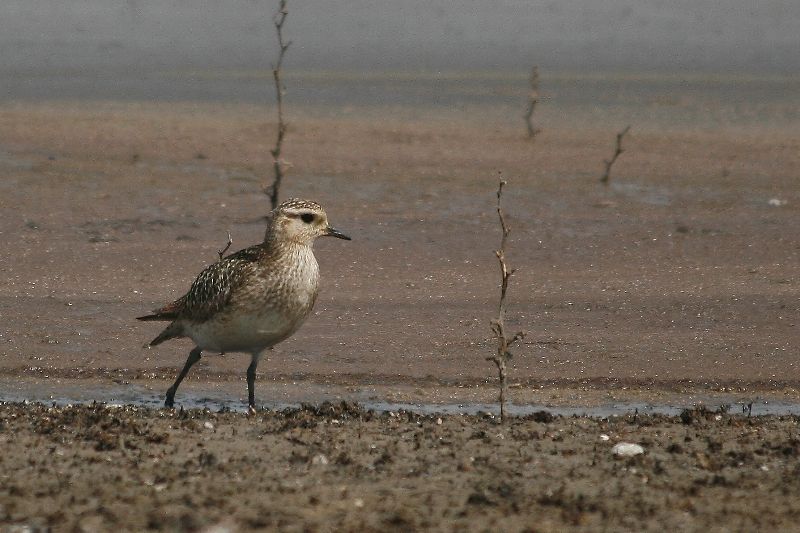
<point>254,298</point>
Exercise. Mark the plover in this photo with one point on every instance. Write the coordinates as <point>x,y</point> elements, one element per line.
<point>252,299</point>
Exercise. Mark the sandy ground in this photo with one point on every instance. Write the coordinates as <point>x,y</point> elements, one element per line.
<point>674,285</point>
<point>681,274</point>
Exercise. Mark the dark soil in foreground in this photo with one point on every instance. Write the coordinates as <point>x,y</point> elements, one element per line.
<point>338,467</point>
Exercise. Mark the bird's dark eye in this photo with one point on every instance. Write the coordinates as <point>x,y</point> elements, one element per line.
<point>308,218</point>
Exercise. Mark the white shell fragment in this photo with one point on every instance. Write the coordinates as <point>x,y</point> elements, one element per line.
<point>626,449</point>
<point>319,459</point>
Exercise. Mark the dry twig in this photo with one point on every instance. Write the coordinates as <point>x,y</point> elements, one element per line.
<point>617,152</point>
<point>221,253</point>
<point>279,19</point>
<point>533,99</point>
<point>504,343</point>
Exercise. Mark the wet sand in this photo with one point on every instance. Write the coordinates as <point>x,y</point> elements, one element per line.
<point>681,275</point>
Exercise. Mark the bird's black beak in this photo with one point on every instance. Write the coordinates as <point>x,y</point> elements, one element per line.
<point>333,232</point>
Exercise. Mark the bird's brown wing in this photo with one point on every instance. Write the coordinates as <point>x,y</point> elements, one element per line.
<point>211,290</point>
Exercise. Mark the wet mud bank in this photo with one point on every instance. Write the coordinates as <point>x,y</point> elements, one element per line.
<point>340,466</point>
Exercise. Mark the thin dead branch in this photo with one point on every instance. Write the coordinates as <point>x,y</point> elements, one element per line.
<point>533,99</point>
<point>609,162</point>
<point>504,343</point>
<point>277,163</point>
<point>221,253</point>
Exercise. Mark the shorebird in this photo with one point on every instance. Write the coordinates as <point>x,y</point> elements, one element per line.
<point>252,299</point>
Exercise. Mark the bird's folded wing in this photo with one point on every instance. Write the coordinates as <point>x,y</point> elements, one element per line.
<point>211,291</point>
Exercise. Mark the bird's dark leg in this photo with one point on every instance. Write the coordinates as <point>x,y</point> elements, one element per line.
<point>251,384</point>
<point>194,356</point>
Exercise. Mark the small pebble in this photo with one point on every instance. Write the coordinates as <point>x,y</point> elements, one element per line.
<point>626,449</point>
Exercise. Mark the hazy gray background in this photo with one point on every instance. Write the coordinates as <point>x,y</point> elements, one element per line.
<point>111,47</point>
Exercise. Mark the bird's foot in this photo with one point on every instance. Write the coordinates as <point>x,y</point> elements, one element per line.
<point>251,410</point>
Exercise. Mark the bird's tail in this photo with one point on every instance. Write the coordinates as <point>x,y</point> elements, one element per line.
<point>153,317</point>
<point>167,313</point>
<point>170,332</point>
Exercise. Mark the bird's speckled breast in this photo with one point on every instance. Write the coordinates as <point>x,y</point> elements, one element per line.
<point>267,309</point>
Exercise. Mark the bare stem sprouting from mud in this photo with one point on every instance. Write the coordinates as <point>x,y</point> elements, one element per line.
<point>221,253</point>
<point>617,151</point>
<point>504,343</point>
<point>533,99</point>
<point>277,164</point>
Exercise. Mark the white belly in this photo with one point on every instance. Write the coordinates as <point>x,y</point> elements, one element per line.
<point>243,333</point>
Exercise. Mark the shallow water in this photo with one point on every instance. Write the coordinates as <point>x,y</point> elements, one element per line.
<point>134,395</point>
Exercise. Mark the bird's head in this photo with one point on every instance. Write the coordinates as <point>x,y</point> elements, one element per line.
<point>301,222</point>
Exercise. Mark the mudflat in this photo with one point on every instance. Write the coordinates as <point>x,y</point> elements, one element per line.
<point>680,274</point>
<point>675,283</point>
